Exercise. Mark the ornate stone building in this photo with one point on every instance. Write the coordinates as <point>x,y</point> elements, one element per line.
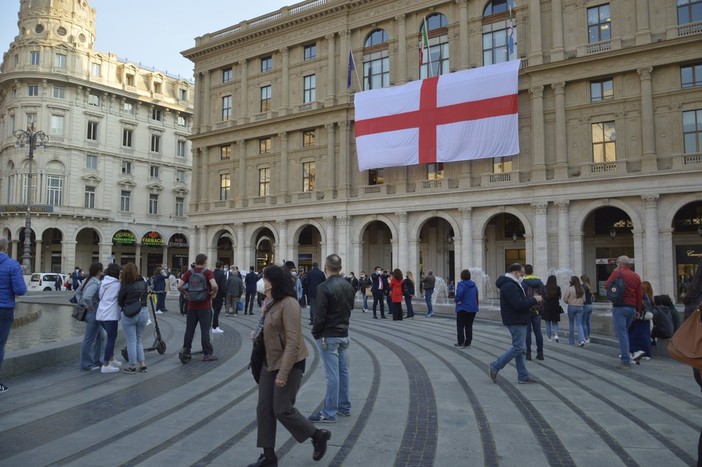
<point>113,183</point>
<point>610,110</point>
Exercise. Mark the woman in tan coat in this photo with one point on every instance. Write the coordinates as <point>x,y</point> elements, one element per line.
<point>283,368</point>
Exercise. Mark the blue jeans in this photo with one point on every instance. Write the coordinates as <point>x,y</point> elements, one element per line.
<point>336,369</point>
<point>516,352</point>
<point>427,297</point>
<point>622,317</point>
<point>408,303</point>
<point>575,314</point>
<point>365,300</point>
<point>7,316</point>
<point>133,330</point>
<point>551,329</point>
<point>587,320</point>
<point>93,341</point>
<point>161,300</point>
<point>536,326</point>
<point>110,328</point>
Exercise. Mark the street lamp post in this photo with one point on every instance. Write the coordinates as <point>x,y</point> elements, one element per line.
<point>33,139</point>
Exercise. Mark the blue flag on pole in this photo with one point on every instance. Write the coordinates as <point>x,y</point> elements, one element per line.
<point>352,66</point>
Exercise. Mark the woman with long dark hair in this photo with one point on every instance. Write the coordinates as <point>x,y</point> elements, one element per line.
<point>284,365</point>
<point>575,298</point>
<point>395,296</point>
<point>108,314</point>
<point>408,292</point>
<point>587,307</point>
<point>93,339</point>
<point>133,288</point>
<point>552,308</point>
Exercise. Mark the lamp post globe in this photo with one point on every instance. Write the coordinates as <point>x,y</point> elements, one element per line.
<point>30,138</point>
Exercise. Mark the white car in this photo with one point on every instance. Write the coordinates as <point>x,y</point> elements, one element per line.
<point>44,281</point>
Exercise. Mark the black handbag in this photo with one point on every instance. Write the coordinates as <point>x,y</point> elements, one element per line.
<point>79,313</point>
<point>132,309</point>
<point>258,356</point>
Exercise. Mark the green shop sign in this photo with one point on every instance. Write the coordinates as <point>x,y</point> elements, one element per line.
<point>124,237</point>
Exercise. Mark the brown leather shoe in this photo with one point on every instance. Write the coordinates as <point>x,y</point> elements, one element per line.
<point>319,441</point>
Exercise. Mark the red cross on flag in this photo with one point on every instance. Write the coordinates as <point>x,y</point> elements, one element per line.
<point>470,114</point>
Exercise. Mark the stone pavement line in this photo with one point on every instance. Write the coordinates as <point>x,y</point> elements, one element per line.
<point>419,440</point>
<point>599,429</point>
<point>251,427</point>
<point>138,391</point>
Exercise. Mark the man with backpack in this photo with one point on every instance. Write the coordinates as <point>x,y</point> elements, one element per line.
<point>624,312</point>
<point>533,286</point>
<point>201,288</point>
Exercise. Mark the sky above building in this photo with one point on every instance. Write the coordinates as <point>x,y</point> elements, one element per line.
<point>154,32</point>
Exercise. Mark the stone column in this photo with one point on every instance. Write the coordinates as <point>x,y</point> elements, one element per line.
<point>648,130</point>
<point>164,253</point>
<point>284,92</point>
<point>206,117</point>
<point>241,245</point>
<point>639,251</point>
<point>540,237</point>
<point>535,55</point>
<point>464,57</point>
<point>196,199</point>
<point>342,223</point>
<point>402,260</point>
<point>538,172</point>
<point>14,243</point>
<point>67,247</point>
<point>244,70</point>
<point>651,258</point>
<point>199,97</point>
<point>563,234</point>
<point>344,47</point>
<point>241,145</point>
<point>413,261</point>
<point>284,172</point>
<point>561,169</point>
<point>577,239</point>
<point>330,244</point>
<point>667,264</point>
<point>331,161</point>
<point>401,72</point>
<point>466,238</point>
<point>105,252</point>
<point>38,254</point>
<point>643,31</point>
<point>356,262</point>
<point>204,179</point>
<point>557,52</point>
<point>137,256</point>
<point>331,68</point>
<point>282,253</point>
<point>343,168</point>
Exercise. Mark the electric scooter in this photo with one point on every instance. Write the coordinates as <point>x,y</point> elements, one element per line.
<point>159,344</point>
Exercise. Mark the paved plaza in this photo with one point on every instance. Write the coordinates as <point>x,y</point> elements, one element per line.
<point>417,401</point>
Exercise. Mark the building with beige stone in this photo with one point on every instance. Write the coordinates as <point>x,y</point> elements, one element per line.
<point>113,182</point>
<point>610,116</point>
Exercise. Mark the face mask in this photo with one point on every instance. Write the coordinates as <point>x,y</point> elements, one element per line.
<point>259,286</point>
<point>520,279</point>
<point>294,273</point>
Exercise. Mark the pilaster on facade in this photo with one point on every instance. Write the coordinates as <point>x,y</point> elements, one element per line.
<point>330,98</point>
<point>649,161</point>
<point>330,244</point>
<point>557,50</point>
<point>285,81</point>
<point>403,258</point>
<point>652,257</point>
<point>535,30</point>
<point>330,188</point>
<point>538,172</point>
<point>540,240</point>
<point>564,243</point>
<point>643,31</point>
<point>401,72</point>
<point>561,167</point>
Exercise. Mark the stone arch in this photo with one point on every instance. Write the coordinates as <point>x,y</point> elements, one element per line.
<point>222,230</point>
<point>484,218</point>
<point>363,222</point>
<point>677,205</point>
<point>585,211</point>
<point>299,226</point>
<point>416,227</point>
<point>257,229</point>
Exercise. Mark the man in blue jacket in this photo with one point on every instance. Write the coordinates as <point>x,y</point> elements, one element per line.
<point>516,315</point>
<point>315,277</point>
<point>9,288</point>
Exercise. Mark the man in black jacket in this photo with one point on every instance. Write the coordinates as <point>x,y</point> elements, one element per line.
<point>378,288</point>
<point>250,280</point>
<point>314,278</point>
<point>516,315</point>
<point>335,299</point>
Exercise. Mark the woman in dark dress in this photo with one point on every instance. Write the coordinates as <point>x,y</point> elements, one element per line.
<point>552,308</point>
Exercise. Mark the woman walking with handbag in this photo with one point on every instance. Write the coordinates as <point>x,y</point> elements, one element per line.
<point>284,365</point>
<point>108,316</point>
<point>575,297</point>
<point>87,296</point>
<point>132,299</point>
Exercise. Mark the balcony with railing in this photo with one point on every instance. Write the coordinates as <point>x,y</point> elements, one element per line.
<point>687,161</point>
<point>594,169</point>
<point>375,191</point>
<point>599,47</point>
<point>500,178</point>
<point>682,30</point>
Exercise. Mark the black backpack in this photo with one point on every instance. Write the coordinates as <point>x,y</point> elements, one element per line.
<point>615,291</point>
<point>198,291</point>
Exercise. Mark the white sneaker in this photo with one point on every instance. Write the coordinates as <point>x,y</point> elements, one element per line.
<point>587,341</point>
<point>159,312</point>
<point>148,322</point>
<point>556,339</point>
<point>109,369</point>
<point>637,355</point>
<point>115,363</point>
<point>217,331</point>
<point>549,339</point>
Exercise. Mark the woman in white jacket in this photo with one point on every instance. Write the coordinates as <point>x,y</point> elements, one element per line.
<point>108,314</point>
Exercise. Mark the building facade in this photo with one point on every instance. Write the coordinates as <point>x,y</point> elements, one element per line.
<point>610,116</point>
<point>113,182</point>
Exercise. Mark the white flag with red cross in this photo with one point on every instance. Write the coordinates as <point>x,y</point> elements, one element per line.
<point>470,114</point>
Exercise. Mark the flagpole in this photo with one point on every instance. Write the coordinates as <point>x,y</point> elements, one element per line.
<point>355,68</point>
<point>425,40</point>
